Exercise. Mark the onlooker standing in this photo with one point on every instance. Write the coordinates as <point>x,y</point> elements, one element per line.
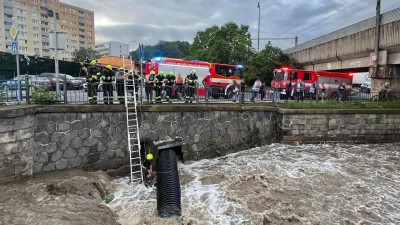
<point>262,91</point>
<point>179,84</point>
<point>288,90</point>
<point>150,81</point>
<point>255,89</point>
<point>302,89</point>
<point>277,92</point>
<point>322,91</point>
<point>312,90</point>
<point>340,93</point>
<point>207,85</point>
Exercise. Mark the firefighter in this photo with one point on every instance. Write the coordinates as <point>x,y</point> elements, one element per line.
<point>159,85</point>
<point>150,81</point>
<point>92,80</point>
<point>137,80</point>
<point>148,170</point>
<point>120,77</point>
<point>169,85</point>
<point>191,81</point>
<point>108,77</point>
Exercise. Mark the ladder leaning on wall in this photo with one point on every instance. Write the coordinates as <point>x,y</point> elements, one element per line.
<point>133,130</point>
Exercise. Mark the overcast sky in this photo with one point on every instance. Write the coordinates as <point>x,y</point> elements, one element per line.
<point>148,21</point>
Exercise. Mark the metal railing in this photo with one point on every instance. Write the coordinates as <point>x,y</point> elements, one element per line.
<point>78,91</point>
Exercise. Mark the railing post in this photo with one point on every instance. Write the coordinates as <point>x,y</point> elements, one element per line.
<point>65,88</point>
<point>27,89</point>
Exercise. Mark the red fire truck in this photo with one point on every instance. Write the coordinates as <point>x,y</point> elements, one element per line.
<point>221,74</point>
<point>331,80</point>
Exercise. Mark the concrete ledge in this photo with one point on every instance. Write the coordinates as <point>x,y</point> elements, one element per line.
<point>337,111</point>
<point>17,111</point>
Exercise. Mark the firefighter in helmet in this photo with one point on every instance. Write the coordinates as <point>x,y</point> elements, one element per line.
<point>169,85</point>
<point>150,81</point>
<point>120,77</point>
<point>148,170</point>
<point>108,77</point>
<point>92,80</point>
<point>159,85</point>
<point>191,81</point>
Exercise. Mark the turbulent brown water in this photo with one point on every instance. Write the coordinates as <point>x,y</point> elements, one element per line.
<point>279,184</point>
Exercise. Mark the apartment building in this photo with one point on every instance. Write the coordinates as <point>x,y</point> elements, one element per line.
<point>33,21</point>
<point>113,48</point>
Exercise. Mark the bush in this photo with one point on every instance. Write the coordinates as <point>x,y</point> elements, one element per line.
<point>41,95</point>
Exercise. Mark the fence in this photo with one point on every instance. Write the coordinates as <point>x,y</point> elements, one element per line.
<point>113,93</point>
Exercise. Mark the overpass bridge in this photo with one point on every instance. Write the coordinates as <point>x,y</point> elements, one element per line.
<point>352,49</point>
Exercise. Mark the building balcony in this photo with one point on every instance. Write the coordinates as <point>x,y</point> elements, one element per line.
<point>82,45</point>
<point>44,19</point>
<point>45,39</point>
<point>44,4</point>
<point>45,47</point>
<point>81,20</point>
<point>8,19</point>
<point>8,3</point>
<point>7,26</point>
<point>82,27</point>
<point>46,54</point>
<point>8,11</point>
<point>81,33</point>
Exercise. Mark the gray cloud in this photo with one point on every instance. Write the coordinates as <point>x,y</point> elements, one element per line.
<point>148,21</point>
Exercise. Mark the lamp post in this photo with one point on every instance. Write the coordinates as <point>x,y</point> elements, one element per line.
<point>258,37</point>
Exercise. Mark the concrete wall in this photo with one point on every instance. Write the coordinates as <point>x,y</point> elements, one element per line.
<point>35,139</point>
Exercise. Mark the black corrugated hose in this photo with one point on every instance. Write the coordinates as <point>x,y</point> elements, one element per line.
<point>168,185</point>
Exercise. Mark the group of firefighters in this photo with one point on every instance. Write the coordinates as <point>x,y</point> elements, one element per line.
<point>94,74</point>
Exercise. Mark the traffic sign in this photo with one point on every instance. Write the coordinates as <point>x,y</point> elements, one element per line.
<point>13,32</point>
<point>14,47</point>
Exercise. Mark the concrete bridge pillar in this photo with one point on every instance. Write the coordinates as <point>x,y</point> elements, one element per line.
<point>386,73</point>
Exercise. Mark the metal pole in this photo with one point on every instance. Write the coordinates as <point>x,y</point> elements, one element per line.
<point>56,49</point>
<point>377,24</point>
<point>19,97</point>
<point>258,37</point>
<point>141,73</point>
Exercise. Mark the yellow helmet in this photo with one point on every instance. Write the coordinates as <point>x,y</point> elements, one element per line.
<point>171,73</point>
<point>121,69</point>
<point>109,67</point>
<point>149,156</point>
<point>152,72</point>
<point>98,73</point>
<point>93,62</point>
<point>161,72</point>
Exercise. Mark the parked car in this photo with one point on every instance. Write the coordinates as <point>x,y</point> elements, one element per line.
<point>365,87</point>
<point>33,82</point>
<point>73,83</point>
<point>53,82</point>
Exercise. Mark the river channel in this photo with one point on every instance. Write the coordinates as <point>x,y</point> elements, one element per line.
<point>279,184</point>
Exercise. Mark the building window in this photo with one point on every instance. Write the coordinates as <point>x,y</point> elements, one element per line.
<point>90,26</point>
<point>34,1</point>
<point>73,29</point>
<point>64,20</point>
<point>23,49</point>
<point>22,19</point>
<point>73,16</point>
<point>64,14</point>
<point>63,7</point>
<point>36,50</point>
<point>21,11</point>
<point>35,21</point>
<point>35,14</point>
<point>22,26</point>
<point>64,27</point>
<point>36,36</point>
<point>36,43</point>
<point>72,10</point>
<point>21,4</point>
<point>23,34</point>
<point>73,23</point>
<point>90,32</point>
<point>35,28</point>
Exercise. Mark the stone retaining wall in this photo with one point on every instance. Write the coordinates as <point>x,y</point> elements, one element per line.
<point>37,139</point>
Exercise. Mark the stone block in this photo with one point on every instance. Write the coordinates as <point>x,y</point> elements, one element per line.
<point>121,127</point>
<point>8,148</point>
<point>117,136</point>
<point>7,137</point>
<point>62,127</point>
<point>123,144</point>
<point>57,117</point>
<point>24,133</point>
<point>84,133</point>
<point>105,140</point>
<point>25,122</point>
<point>77,125</point>
<point>109,130</point>
<point>42,117</point>
<point>41,157</point>
<point>75,162</point>
<point>91,124</point>
<point>7,124</point>
<point>112,145</point>
<point>56,137</point>
<point>120,153</point>
<point>56,156</point>
<point>7,171</point>
<point>90,141</point>
<point>102,147</point>
<point>71,117</point>
<point>71,134</point>
<point>49,167</point>
<point>104,123</point>
<point>82,151</point>
<point>115,163</point>
<point>62,164</point>
<point>63,144</point>
<point>42,138</point>
<point>91,158</point>
<point>76,143</point>
<point>70,153</point>
<point>97,132</point>
<point>37,168</point>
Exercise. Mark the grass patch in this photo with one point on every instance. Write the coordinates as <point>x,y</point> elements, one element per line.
<point>338,105</point>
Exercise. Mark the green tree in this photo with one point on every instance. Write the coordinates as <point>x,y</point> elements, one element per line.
<point>264,62</point>
<point>82,54</point>
<point>230,44</point>
<point>171,49</point>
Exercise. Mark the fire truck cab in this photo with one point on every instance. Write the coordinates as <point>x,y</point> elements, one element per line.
<point>221,74</point>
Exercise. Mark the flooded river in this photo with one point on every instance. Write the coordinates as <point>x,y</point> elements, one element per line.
<point>279,184</point>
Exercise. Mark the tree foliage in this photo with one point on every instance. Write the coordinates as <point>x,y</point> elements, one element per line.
<point>171,49</point>
<point>230,44</point>
<point>82,54</point>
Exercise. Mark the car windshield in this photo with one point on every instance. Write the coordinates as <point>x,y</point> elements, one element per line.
<point>41,78</point>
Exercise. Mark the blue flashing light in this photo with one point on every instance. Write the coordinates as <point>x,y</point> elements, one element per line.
<point>195,60</point>
<point>239,66</point>
<point>158,59</point>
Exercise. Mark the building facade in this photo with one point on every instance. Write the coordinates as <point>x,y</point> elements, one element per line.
<point>33,20</point>
<point>113,48</point>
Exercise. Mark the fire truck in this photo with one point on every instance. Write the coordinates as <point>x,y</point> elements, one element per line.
<point>331,80</point>
<point>221,74</point>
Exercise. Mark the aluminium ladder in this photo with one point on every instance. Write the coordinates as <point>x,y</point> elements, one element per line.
<point>133,131</point>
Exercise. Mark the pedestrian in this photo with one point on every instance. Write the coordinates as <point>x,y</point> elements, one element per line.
<point>179,84</point>
<point>150,82</point>
<point>159,81</point>
<point>120,77</point>
<point>169,85</point>
<point>313,91</point>
<point>92,79</point>
<point>191,81</point>
<point>148,170</point>
<point>340,93</point>
<point>322,91</point>
<point>255,90</point>
<point>207,85</point>
<point>302,89</point>
<point>262,91</point>
<point>288,91</point>
<point>107,77</point>
<point>277,92</point>
<point>235,91</point>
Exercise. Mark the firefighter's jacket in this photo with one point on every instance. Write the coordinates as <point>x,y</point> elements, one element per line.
<point>160,79</point>
<point>191,80</point>
<point>94,74</point>
<point>108,76</point>
<point>169,80</point>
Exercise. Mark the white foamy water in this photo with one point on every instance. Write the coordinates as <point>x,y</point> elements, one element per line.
<point>279,184</point>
